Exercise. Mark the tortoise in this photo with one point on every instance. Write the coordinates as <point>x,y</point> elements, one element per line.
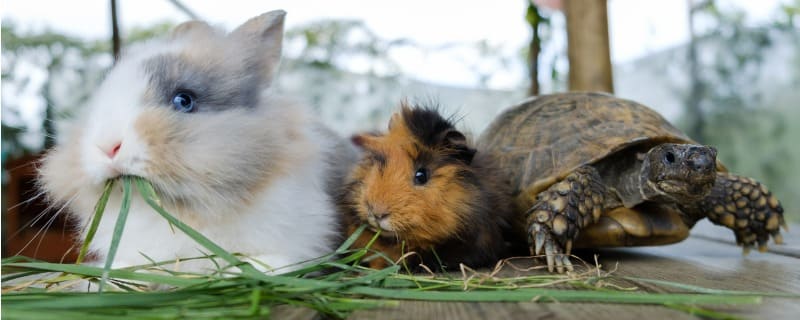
<point>592,170</point>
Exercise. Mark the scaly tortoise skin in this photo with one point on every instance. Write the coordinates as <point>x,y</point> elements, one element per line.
<point>592,170</point>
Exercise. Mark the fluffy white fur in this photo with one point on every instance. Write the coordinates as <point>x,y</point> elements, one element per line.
<point>250,178</point>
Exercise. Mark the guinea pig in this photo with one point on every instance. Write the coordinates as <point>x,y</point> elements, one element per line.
<point>424,189</point>
<point>192,114</point>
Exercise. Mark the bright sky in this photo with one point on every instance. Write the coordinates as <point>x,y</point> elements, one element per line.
<point>637,27</point>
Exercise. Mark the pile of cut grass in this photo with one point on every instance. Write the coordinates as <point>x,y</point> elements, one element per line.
<point>334,285</point>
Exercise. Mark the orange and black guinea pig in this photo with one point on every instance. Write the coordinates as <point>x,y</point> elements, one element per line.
<point>425,190</point>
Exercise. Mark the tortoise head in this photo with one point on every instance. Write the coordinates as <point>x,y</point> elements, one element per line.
<point>678,172</point>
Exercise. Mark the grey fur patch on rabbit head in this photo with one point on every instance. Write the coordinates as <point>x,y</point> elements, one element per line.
<point>222,71</point>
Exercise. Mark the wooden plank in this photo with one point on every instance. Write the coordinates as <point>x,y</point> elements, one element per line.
<point>791,247</point>
<point>712,264</point>
<point>695,261</point>
<point>528,310</point>
<point>293,313</point>
<point>698,261</point>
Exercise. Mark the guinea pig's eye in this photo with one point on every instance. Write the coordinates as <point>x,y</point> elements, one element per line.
<point>421,176</point>
<point>184,102</point>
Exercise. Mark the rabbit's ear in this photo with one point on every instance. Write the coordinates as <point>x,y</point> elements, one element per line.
<point>191,27</point>
<point>266,32</point>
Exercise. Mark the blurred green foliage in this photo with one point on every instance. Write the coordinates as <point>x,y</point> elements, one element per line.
<point>62,60</point>
<point>326,44</point>
<point>742,112</point>
<point>753,127</point>
<point>48,51</point>
<point>540,22</point>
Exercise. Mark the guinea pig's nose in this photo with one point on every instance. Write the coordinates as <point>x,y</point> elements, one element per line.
<point>380,215</point>
<point>379,212</point>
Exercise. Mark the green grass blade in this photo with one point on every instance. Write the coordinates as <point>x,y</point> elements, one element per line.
<point>15,259</point>
<point>553,295</point>
<point>692,288</point>
<point>27,314</point>
<point>335,284</point>
<point>373,277</point>
<point>90,271</point>
<point>98,214</point>
<point>702,312</point>
<point>18,275</point>
<point>119,227</point>
<point>351,239</point>
<point>149,194</point>
<point>255,302</point>
<point>108,300</point>
<point>147,191</point>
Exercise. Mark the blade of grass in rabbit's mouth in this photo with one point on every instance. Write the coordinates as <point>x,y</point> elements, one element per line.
<point>119,227</point>
<point>98,214</point>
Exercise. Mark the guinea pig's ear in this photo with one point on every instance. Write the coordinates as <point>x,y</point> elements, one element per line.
<point>365,141</point>
<point>263,38</point>
<point>455,140</point>
<point>394,120</point>
<point>405,112</point>
<point>454,137</point>
<point>190,27</point>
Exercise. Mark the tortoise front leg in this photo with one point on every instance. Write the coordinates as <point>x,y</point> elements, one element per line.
<point>560,212</point>
<point>747,207</point>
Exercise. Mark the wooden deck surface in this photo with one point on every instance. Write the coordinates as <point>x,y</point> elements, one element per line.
<point>709,258</point>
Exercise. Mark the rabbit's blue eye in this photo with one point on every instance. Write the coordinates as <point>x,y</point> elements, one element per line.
<point>421,177</point>
<point>183,102</point>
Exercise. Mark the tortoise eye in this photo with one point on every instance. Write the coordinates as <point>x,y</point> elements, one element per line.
<point>669,157</point>
<point>421,176</point>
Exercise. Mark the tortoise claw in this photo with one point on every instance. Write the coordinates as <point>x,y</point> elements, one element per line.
<point>550,252</point>
<point>568,248</point>
<point>555,258</point>
<point>778,238</point>
<point>560,212</point>
<point>545,244</point>
<point>567,262</point>
<point>539,241</point>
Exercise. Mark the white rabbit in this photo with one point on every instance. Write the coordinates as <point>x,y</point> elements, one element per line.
<point>191,113</point>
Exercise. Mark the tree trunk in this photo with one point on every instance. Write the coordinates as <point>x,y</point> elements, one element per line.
<point>115,42</point>
<point>48,123</point>
<point>534,48</point>
<point>183,8</point>
<point>694,114</point>
<point>588,46</point>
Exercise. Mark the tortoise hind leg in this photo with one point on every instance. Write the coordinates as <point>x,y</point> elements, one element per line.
<point>747,207</point>
<point>560,212</point>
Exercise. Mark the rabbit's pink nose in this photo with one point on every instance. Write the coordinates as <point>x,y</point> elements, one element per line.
<point>113,151</point>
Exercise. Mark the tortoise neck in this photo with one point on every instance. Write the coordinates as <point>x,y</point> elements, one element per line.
<point>647,188</point>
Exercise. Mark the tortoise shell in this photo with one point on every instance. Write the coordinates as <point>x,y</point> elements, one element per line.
<point>544,139</point>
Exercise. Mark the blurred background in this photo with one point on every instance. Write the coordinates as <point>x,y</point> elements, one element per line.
<point>725,71</point>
